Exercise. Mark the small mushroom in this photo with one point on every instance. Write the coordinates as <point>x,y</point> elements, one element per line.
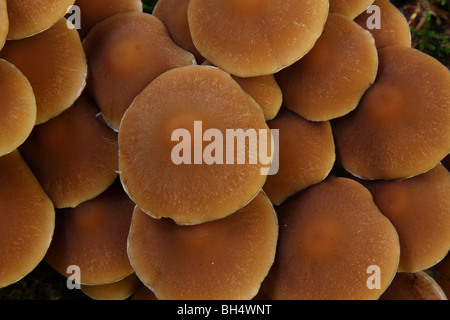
<point>4,23</point>
<point>223,259</point>
<point>74,156</point>
<point>413,286</point>
<point>394,29</point>
<point>349,8</point>
<point>331,79</point>
<point>174,15</point>
<point>54,63</point>
<point>401,127</point>
<point>186,146</point>
<point>27,220</point>
<point>306,155</point>
<point>93,237</point>
<point>419,209</point>
<point>333,240</point>
<point>125,53</point>
<point>30,17</point>
<point>119,290</point>
<point>17,107</point>
<point>255,37</point>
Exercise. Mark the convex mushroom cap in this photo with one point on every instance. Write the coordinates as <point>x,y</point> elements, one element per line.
<point>255,37</point>
<point>27,220</point>
<point>4,23</point>
<point>17,107</point>
<point>74,156</point>
<point>349,8</point>
<point>125,53</point>
<point>93,236</point>
<point>332,239</point>
<point>184,152</point>
<point>306,155</point>
<point>54,63</point>
<point>419,209</point>
<point>400,129</point>
<point>29,17</point>
<point>331,79</point>
<point>222,259</point>
<point>119,290</point>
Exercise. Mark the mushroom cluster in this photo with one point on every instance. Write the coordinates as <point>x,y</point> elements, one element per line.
<point>223,149</point>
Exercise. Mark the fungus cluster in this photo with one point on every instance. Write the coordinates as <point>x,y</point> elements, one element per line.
<point>223,149</point>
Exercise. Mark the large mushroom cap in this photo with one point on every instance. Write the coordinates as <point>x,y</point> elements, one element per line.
<point>55,65</point>
<point>29,17</point>
<point>349,8</point>
<point>331,79</point>
<point>125,53</point>
<point>419,209</point>
<point>74,156</point>
<point>255,37</point>
<point>93,236</point>
<point>394,29</point>
<point>4,23</point>
<point>222,259</point>
<point>331,236</point>
<point>166,168</point>
<point>306,155</point>
<point>400,129</point>
<point>27,220</point>
<point>17,107</point>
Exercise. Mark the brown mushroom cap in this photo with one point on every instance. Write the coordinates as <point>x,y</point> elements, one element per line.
<point>74,156</point>
<point>93,236</point>
<point>27,220</point>
<point>4,23</point>
<point>331,79</point>
<point>57,80</point>
<point>193,191</point>
<point>255,37</point>
<point>330,234</point>
<point>394,27</point>
<point>349,8</point>
<point>419,209</point>
<point>401,128</point>
<point>174,15</point>
<point>119,290</point>
<point>306,155</point>
<point>17,107</point>
<point>125,53</point>
<point>29,17</point>
<point>222,259</point>
<point>413,286</point>
<point>95,11</point>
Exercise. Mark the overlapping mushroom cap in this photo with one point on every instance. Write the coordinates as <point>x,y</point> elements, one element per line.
<point>181,144</point>
<point>222,259</point>
<point>4,23</point>
<point>27,220</point>
<point>255,37</point>
<point>57,80</point>
<point>399,129</point>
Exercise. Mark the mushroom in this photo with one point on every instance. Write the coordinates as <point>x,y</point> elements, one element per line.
<point>188,144</point>
<point>222,259</point>
<point>306,155</point>
<point>334,244</point>
<point>174,15</point>
<point>57,80</point>
<point>125,53</point>
<point>93,237</point>
<point>419,209</point>
<point>400,129</point>
<point>17,107</point>
<point>27,220</point>
<point>74,156</point>
<point>413,286</point>
<point>30,17</point>
<point>394,29</point>
<point>95,11</point>
<point>255,37</point>
<point>119,290</point>
<point>331,79</point>
<point>349,8</point>
<point>4,23</point>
